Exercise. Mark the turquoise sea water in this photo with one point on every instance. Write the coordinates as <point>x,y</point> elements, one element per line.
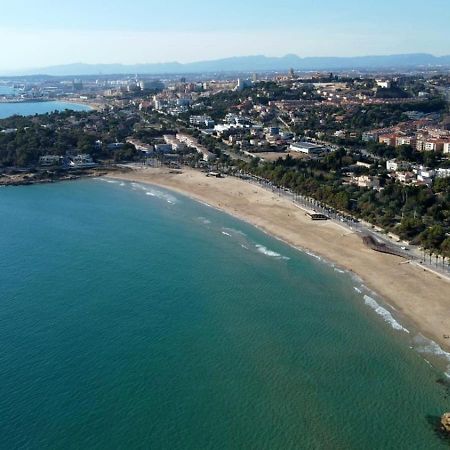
<point>132,317</point>
<point>7,90</point>
<point>31,108</point>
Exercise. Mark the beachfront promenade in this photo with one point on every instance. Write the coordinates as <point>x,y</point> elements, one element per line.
<point>411,253</point>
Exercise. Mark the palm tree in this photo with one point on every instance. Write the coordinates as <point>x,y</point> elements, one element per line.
<point>445,249</point>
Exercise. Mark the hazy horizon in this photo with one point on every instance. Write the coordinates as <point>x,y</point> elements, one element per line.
<point>231,56</point>
<point>40,35</point>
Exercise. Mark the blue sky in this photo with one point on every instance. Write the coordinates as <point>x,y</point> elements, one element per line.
<point>46,32</point>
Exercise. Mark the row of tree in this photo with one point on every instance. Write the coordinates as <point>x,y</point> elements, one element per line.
<point>416,213</point>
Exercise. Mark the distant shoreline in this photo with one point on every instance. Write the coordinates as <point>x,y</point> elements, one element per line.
<point>417,297</point>
<point>29,178</point>
<point>28,100</point>
<point>94,106</point>
<point>38,100</point>
<point>27,108</point>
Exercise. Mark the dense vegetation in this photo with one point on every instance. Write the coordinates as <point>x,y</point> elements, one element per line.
<point>25,139</point>
<point>415,213</point>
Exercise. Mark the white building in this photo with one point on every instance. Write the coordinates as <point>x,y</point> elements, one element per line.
<point>9,130</point>
<point>430,146</point>
<point>405,140</point>
<point>201,120</point>
<point>174,142</point>
<point>140,146</point>
<point>49,160</point>
<point>394,166</point>
<point>404,177</point>
<point>367,181</point>
<point>446,147</point>
<point>82,161</point>
<point>190,141</point>
<point>308,148</point>
<point>385,84</point>
<point>442,173</point>
<point>424,175</point>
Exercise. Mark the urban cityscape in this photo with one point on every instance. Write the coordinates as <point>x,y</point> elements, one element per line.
<point>380,136</point>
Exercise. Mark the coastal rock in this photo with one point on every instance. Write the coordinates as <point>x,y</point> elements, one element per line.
<point>445,422</point>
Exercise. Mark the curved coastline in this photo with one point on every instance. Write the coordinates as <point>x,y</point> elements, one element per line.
<point>192,309</point>
<point>416,296</point>
<point>25,108</point>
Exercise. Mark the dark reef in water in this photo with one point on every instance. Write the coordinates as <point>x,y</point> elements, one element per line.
<point>435,424</point>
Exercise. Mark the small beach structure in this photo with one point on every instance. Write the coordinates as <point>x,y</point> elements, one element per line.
<point>214,174</point>
<point>313,215</point>
<point>372,243</point>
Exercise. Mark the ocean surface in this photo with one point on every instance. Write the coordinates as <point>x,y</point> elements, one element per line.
<point>135,318</point>
<point>7,90</point>
<point>31,108</point>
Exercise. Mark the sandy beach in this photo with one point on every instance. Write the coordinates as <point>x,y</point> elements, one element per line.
<point>420,298</point>
<point>92,103</point>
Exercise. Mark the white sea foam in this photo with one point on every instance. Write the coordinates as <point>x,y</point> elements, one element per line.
<point>357,290</point>
<point>234,231</point>
<point>271,253</point>
<point>226,234</point>
<point>107,180</point>
<point>313,255</point>
<point>427,346</point>
<point>387,316</point>
<point>156,193</point>
<point>339,270</point>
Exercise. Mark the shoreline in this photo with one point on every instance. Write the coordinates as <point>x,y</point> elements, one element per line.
<point>93,106</point>
<point>29,178</point>
<point>411,291</point>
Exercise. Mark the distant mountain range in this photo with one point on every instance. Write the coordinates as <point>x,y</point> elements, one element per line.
<point>257,63</point>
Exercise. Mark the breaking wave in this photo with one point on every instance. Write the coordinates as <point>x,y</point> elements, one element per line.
<point>427,346</point>
<point>204,220</point>
<point>271,253</point>
<point>384,313</point>
<point>234,231</point>
<point>152,192</point>
<point>313,255</point>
